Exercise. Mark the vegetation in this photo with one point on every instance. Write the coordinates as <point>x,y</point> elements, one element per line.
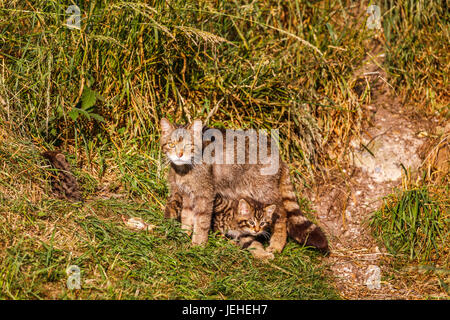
<point>414,221</point>
<point>417,59</point>
<point>414,224</point>
<point>98,93</point>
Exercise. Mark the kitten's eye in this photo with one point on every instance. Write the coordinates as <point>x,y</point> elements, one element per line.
<point>262,224</point>
<point>171,145</point>
<point>251,223</point>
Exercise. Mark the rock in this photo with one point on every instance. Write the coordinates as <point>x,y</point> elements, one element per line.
<point>373,278</point>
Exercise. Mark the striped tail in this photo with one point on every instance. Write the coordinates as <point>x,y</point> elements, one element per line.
<point>299,227</point>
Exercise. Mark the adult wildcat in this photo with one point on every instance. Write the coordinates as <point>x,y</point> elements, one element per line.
<point>195,183</point>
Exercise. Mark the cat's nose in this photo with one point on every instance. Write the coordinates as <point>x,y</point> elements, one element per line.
<point>180,154</point>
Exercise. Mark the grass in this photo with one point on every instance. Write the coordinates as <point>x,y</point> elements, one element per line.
<point>98,93</point>
<point>135,62</point>
<point>117,263</point>
<point>414,224</point>
<point>417,38</point>
<point>42,236</point>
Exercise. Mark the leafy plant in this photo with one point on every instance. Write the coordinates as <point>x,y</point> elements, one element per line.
<point>86,106</point>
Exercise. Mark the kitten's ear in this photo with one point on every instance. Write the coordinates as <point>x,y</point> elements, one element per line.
<point>166,126</point>
<point>243,208</point>
<point>269,210</point>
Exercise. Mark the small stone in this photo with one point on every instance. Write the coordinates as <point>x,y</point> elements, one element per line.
<point>137,224</point>
<point>373,277</point>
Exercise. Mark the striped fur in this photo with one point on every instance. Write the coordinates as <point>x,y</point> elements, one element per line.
<point>246,222</point>
<point>199,183</point>
<point>299,227</point>
<point>242,218</point>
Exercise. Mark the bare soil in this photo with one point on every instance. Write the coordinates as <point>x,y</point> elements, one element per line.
<point>344,203</point>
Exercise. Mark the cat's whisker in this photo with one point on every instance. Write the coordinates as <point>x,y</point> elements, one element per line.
<point>265,234</point>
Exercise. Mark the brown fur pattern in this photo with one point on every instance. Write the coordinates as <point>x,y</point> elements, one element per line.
<point>245,221</point>
<point>244,217</point>
<point>198,184</point>
<point>298,226</point>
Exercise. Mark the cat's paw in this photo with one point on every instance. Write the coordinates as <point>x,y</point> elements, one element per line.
<point>265,256</point>
<point>273,249</point>
<point>199,240</point>
<point>187,229</point>
<point>233,234</point>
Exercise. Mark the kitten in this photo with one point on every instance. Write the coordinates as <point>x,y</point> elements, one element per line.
<point>247,222</point>
<point>197,184</point>
<point>244,221</point>
<point>242,218</point>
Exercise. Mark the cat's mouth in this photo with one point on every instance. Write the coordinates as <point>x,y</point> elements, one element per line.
<point>263,233</point>
<point>180,161</point>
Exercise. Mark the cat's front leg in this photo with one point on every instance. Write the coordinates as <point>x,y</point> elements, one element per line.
<point>256,248</point>
<point>279,235</point>
<point>187,215</point>
<point>233,234</point>
<point>203,210</point>
<point>173,208</point>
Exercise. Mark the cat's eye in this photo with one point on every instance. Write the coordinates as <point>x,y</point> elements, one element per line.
<point>262,224</point>
<point>251,223</point>
<point>171,145</point>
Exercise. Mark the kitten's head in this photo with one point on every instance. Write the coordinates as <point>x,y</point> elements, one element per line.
<point>254,219</point>
<point>177,141</point>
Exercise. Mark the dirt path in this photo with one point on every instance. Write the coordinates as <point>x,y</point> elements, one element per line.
<point>344,203</point>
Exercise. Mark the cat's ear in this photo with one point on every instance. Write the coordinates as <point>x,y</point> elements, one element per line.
<point>166,126</point>
<point>243,208</point>
<point>269,210</point>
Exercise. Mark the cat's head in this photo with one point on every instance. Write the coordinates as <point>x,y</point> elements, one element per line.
<point>177,141</point>
<point>254,219</point>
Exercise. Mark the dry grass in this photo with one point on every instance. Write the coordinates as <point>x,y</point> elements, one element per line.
<point>98,93</point>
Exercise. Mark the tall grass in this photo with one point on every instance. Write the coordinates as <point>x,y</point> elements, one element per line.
<point>98,94</point>
<point>258,64</point>
<point>417,41</point>
<point>414,224</point>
